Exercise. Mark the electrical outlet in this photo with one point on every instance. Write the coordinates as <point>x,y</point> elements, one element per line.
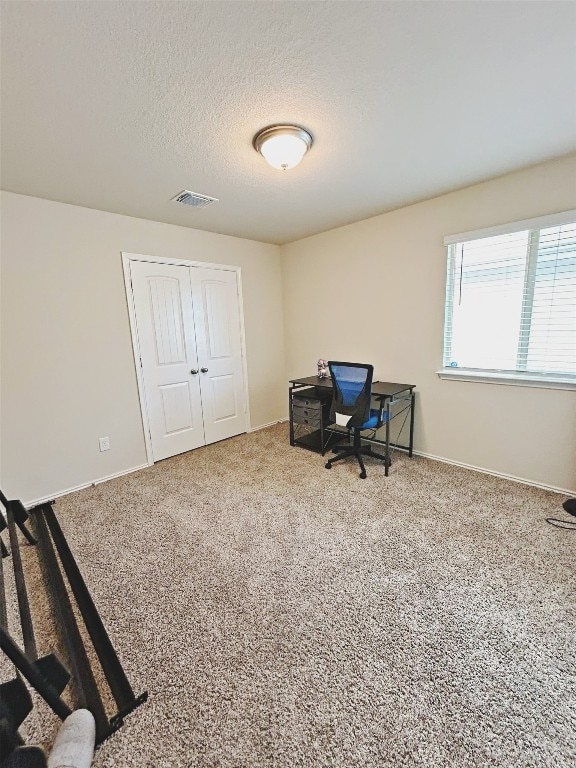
<point>104,443</point>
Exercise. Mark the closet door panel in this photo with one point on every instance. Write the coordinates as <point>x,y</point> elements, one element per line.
<point>217,318</point>
<point>167,343</point>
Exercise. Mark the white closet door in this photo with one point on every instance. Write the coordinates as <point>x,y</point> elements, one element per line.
<point>217,316</point>
<point>166,337</point>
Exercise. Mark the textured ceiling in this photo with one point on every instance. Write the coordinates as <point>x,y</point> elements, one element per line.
<point>120,105</point>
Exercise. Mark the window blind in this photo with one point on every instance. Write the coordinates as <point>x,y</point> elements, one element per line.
<point>511,301</point>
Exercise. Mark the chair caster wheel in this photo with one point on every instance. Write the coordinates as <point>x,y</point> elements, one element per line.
<point>328,465</point>
<point>363,475</point>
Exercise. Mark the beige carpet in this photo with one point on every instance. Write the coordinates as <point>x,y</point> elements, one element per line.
<point>283,615</point>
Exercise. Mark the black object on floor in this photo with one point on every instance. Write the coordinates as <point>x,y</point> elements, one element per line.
<point>47,675</point>
<point>569,506</point>
<point>26,757</point>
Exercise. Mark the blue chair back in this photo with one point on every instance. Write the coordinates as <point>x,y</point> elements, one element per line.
<point>352,383</point>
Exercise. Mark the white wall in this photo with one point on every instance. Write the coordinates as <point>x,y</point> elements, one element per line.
<point>374,292</point>
<point>67,367</point>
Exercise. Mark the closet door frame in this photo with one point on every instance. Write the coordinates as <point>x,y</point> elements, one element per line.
<point>127,258</point>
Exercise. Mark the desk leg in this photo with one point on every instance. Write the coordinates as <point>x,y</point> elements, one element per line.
<point>290,416</point>
<point>387,454</point>
<point>411,443</point>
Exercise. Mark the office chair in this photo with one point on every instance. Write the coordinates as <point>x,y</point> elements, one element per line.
<point>352,384</point>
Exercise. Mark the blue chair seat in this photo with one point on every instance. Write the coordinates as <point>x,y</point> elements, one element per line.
<point>373,420</point>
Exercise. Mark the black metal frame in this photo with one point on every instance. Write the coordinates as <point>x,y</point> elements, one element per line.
<point>20,514</point>
<point>86,688</point>
<point>32,674</point>
<point>120,687</point>
<point>47,676</point>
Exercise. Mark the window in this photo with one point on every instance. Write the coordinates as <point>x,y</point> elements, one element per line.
<point>511,300</point>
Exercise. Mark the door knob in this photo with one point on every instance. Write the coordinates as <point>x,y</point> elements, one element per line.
<point>204,370</point>
<point>194,371</point>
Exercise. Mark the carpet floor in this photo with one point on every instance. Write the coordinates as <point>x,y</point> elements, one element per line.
<point>282,615</point>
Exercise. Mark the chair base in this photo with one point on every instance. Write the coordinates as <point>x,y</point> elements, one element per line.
<point>358,450</point>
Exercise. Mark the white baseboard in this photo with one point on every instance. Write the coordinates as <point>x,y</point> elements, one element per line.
<point>270,424</point>
<point>474,468</point>
<point>81,487</point>
<point>523,480</point>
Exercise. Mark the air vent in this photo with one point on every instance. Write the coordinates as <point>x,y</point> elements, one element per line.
<point>194,199</point>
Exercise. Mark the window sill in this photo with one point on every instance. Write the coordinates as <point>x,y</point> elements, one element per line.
<point>512,379</point>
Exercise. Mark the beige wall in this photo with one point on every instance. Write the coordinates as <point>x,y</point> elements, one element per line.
<point>374,291</point>
<point>67,367</point>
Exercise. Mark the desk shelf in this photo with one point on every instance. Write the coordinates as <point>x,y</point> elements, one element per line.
<point>317,441</point>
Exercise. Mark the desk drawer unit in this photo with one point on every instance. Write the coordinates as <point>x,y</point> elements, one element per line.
<point>306,414</point>
<point>310,410</point>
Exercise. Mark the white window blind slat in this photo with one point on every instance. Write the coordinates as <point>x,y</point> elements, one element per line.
<point>511,300</point>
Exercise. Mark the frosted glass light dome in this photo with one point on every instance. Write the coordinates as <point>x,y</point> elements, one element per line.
<point>282,146</point>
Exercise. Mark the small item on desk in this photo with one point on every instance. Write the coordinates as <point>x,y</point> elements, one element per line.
<point>323,372</point>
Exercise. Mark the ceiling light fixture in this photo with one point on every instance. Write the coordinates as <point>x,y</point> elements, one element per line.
<point>282,146</point>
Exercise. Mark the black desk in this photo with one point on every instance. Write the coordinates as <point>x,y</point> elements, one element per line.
<point>397,398</point>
